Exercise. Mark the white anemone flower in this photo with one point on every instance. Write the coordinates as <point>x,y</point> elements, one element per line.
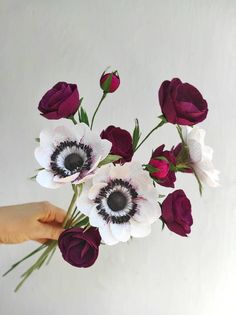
<point>201,156</point>
<point>69,155</point>
<point>120,201</point>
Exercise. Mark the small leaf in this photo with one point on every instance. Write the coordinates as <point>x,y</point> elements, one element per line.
<point>107,83</point>
<point>161,158</point>
<point>83,117</point>
<point>109,159</point>
<point>83,222</point>
<point>37,139</point>
<point>136,134</point>
<point>33,177</point>
<point>161,196</point>
<point>151,168</point>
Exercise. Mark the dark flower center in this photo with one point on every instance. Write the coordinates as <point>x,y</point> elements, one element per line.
<point>117,201</point>
<point>73,161</point>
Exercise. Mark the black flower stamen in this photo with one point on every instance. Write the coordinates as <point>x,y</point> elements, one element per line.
<point>74,162</point>
<point>120,196</point>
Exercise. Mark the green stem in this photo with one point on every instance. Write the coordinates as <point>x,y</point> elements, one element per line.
<point>148,135</point>
<point>37,264</point>
<point>71,206</point>
<point>73,120</point>
<point>96,110</point>
<point>26,257</point>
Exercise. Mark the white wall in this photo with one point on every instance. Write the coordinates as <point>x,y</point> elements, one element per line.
<point>148,41</point>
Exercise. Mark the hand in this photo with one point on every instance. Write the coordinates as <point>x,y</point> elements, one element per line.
<point>39,221</point>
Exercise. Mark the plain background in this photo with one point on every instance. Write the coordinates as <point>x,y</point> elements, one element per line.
<point>43,42</point>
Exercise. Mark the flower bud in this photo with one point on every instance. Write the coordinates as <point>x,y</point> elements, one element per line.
<point>110,82</point>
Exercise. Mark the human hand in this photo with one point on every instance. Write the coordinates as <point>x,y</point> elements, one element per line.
<point>39,221</point>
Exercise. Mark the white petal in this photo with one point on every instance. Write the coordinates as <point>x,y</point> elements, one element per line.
<point>195,151</point>
<point>96,219</point>
<point>95,189</point>
<point>43,156</point>
<point>147,212</point>
<point>107,236</point>
<point>67,179</point>
<point>84,204</point>
<point>45,179</point>
<point>62,133</point>
<point>101,147</point>
<point>139,229</point>
<point>120,171</point>
<point>46,137</point>
<point>121,231</point>
<point>102,174</point>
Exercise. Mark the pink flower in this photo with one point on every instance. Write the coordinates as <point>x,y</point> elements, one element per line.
<point>110,82</point>
<point>162,160</point>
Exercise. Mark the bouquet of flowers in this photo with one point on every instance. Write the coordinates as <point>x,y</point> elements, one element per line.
<point>115,198</point>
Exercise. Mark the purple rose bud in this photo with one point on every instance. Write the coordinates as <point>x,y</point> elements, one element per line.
<point>181,103</point>
<point>62,101</point>
<point>176,213</point>
<point>79,248</point>
<point>164,175</point>
<point>110,82</point>
<point>121,142</point>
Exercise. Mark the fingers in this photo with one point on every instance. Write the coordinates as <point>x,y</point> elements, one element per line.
<point>47,231</point>
<point>50,213</point>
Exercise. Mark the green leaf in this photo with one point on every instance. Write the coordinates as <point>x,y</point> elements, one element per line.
<point>83,222</point>
<point>83,117</point>
<point>109,159</point>
<point>161,196</point>
<point>136,134</point>
<point>37,139</point>
<point>161,158</point>
<point>151,168</point>
<point>33,177</point>
<point>107,83</point>
<point>162,117</point>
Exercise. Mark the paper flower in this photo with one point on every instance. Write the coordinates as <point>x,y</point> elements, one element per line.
<point>161,160</point>
<point>121,201</point>
<point>78,247</point>
<point>176,213</point>
<point>201,156</point>
<point>121,143</point>
<point>69,155</point>
<point>110,82</point>
<point>61,101</point>
<point>181,103</point>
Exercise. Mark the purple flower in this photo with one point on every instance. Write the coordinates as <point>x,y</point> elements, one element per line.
<point>110,82</point>
<point>121,142</point>
<point>78,247</point>
<point>61,101</point>
<point>162,160</point>
<point>181,103</point>
<point>176,213</point>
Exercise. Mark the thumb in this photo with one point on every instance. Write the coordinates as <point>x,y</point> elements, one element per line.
<point>48,231</point>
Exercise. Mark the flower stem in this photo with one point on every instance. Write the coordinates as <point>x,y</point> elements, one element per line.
<point>163,121</point>
<point>73,120</point>
<point>96,110</point>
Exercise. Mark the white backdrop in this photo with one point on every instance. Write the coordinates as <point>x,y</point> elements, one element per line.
<point>148,41</point>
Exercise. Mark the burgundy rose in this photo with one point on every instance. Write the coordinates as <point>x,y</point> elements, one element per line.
<point>176,213</point>
<point>162,161</point>
<point>79,248</point>
<point>121,142</point>
<point>110,82</point>
<point>181,103</point>
<point>62,101</point>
